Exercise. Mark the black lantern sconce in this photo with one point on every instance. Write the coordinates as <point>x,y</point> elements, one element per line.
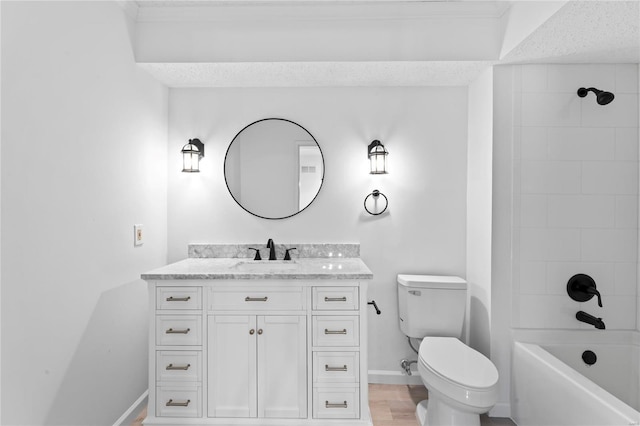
<point>377,157</point>
<point>191,155</point>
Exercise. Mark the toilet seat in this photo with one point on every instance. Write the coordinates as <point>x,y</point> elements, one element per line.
<point>457,363</point>
<point>458,374</point>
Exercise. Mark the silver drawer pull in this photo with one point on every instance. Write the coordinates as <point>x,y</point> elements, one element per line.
<point>178,299</point>
<point>343,331</point>
<point>328,404</point>
<point>335,299</point>
<point>171,403</point>
<point>255,299</point>
<point>178,367</point>
<point>327,368</point>
<point>172,331</point>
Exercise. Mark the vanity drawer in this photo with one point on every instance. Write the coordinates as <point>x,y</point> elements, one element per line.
<point>335,298</point>
<point>182,330</point>
<point>336,367</point>
<point>178,298</point>
<point>178,366</point>
<point>257,299</point>
<point>178,401</point>
<point>336,403</point>
<point>336,330</point>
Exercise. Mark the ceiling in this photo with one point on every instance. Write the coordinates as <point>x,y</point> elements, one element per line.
<point>521,32</point>
<point>585,32</point>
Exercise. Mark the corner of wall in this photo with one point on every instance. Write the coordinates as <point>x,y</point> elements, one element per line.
<point>501,236</point>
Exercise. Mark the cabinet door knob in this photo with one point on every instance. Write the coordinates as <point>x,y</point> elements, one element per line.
<point>259,331</point>
<point>252,331</point>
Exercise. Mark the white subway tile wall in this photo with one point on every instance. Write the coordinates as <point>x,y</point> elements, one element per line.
<point>575,194</point>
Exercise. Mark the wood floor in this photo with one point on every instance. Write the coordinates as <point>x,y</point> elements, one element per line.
<point>392,405</point>
<point>395,405</point>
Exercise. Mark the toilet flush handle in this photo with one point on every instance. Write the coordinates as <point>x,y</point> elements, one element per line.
<point>415,292</point>
<point>375,306</point>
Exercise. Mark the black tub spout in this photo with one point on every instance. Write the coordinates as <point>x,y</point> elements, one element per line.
<point>590,319</point>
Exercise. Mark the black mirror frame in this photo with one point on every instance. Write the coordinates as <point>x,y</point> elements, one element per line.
<point>225,169</point>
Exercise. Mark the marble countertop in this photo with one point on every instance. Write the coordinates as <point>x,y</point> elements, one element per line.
<point>351,268</point>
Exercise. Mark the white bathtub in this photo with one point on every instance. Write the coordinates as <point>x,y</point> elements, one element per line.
<point>552,386</point>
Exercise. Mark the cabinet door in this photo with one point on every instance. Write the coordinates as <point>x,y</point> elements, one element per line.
<point>282,366</point>
<point>231,362</point>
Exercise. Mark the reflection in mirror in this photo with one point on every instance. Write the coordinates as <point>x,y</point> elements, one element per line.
<point>274,168</point>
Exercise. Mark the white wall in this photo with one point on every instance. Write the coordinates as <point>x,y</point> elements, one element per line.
<point>83,160</point>
<point>479,189</point>
<point>425,132</point>
<point>576,193</point>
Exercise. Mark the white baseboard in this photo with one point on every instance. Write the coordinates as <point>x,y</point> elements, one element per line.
<point>501,409</point>
<point>387,377</point>
<point>129,416</point>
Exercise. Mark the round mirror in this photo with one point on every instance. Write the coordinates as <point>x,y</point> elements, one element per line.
<point>274,168</point>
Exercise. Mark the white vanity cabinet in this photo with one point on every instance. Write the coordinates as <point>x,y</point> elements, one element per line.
<point>257,366</point>
<point>271,352</point>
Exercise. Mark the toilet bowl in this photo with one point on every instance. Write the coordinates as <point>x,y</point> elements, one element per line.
<point>462,383</point>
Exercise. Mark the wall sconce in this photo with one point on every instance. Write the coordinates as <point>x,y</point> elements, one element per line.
<point>191,155</point>
<point>377,157</point>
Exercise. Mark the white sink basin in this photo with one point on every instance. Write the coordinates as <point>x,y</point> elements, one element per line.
<point>265,265</point>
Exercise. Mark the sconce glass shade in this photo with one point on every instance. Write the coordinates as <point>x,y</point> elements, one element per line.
<point>377,157</point>
<point>191,155</point>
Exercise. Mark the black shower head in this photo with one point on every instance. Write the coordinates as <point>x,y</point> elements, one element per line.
<point>602,97</point>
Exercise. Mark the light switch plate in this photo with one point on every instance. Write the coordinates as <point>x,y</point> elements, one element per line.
<point>138,235</point>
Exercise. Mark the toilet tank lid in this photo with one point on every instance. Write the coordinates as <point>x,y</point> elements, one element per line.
<point>432,281</point>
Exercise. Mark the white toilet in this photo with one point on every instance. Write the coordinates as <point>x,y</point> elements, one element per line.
<point>462,382</point>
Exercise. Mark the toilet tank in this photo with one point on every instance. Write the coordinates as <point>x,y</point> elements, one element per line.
<point>431,305</point>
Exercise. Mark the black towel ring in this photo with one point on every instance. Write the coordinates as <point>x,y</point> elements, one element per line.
<point>376,194</point>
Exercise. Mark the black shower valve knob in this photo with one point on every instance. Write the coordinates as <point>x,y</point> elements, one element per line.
<point>582,287</point>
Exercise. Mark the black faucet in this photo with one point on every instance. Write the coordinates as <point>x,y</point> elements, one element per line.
<point>272,249</point>
<point>590,319</point>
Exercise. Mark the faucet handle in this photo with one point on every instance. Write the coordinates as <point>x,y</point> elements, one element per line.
<point>582,287</point>
<point>257,257</point>
<point>593,291</point>
<point>286,253</point>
